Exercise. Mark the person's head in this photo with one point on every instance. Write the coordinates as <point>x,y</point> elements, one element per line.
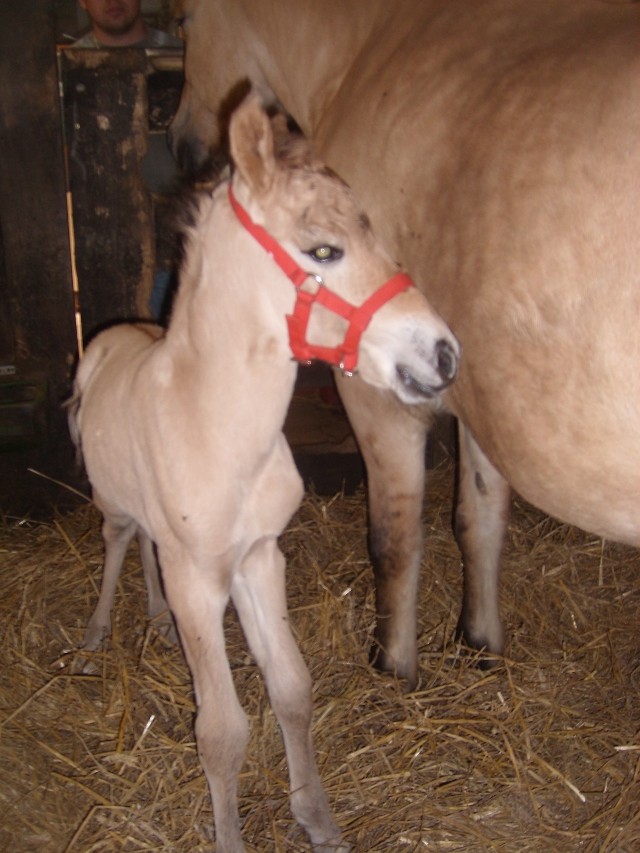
<point>116,23</point>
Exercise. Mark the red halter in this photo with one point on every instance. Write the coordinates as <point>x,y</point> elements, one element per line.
<point>344,356</point>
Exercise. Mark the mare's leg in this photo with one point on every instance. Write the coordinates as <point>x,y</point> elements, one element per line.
<point>117,532</point>
<point>258,592</point>
<point>198,596</point>
<point>481,519</point>
<point>157,606</point>
<point>392,440</point>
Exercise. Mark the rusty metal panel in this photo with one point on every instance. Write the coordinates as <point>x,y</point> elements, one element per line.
<point>106,127</point>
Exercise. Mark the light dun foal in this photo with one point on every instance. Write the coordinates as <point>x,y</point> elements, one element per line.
<point>181,433</point>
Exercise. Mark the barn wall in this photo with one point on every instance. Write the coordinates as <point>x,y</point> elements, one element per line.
<point>37,329</point>
<point>89,138</point>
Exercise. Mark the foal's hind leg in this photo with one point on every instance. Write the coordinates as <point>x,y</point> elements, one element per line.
<point>392,440</point>
<point>157,606</point>
<point>117,532</point>
<point>481,519</point>
<point>258,592</point>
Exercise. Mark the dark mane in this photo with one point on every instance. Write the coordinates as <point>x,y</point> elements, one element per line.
<point>294,150</point>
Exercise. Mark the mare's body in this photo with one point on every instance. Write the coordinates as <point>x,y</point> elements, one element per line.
<point>495,145</point>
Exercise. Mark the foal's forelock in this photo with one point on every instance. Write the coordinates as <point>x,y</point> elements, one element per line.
<point>315,204</point>
<point>320,194</point>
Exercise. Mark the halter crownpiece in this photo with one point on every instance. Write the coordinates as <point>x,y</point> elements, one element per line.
<point>345,355</point>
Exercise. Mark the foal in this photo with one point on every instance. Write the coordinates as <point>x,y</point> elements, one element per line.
<point>181,433</point>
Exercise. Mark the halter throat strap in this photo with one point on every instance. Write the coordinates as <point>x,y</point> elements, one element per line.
<point>311,291</point>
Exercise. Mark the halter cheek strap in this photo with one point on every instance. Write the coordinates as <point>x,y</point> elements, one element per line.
<point>345,355</point>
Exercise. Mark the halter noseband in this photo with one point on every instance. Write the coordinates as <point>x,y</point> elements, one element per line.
<point>344,356</point>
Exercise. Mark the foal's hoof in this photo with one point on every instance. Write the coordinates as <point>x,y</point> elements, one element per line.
<point>336,845</point>
<point>85,665</point>
<point>166,627</point>
<point>95,638</point>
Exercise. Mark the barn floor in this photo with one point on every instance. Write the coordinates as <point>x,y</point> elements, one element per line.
<point>540,754</point>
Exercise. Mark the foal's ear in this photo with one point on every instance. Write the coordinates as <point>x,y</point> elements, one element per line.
<point>251,142</point>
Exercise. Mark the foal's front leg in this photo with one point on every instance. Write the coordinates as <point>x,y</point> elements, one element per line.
<point>198,594</point>
<point>258,592</point>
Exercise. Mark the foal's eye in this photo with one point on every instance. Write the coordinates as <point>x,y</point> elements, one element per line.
<point>325,253</point>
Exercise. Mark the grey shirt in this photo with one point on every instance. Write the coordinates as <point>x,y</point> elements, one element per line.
<point>155,38</point>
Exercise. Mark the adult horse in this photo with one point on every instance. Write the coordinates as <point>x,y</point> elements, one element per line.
<point>495,144</point>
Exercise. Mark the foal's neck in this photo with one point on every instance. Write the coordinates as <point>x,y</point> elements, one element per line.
<point>229,324</point>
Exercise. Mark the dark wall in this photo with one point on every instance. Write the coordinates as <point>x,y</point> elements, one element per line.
<point>37,326</point>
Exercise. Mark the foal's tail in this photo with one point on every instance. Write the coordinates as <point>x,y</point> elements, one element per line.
<point>86,366</point>
<point>72,405</point>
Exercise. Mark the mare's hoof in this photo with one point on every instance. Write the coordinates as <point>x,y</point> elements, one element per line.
<point>477,652</point>
<point>381,661</point>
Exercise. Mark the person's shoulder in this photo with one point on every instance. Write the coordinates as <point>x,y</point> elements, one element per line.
<point>87,40</point>
<point>158,38</point>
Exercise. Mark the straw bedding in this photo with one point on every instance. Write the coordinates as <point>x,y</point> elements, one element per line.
<point>540,754</point>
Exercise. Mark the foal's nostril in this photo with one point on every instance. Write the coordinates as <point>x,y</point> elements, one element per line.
<point>447,359</point>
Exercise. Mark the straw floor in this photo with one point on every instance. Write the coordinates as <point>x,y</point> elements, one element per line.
<point>540,754</point>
